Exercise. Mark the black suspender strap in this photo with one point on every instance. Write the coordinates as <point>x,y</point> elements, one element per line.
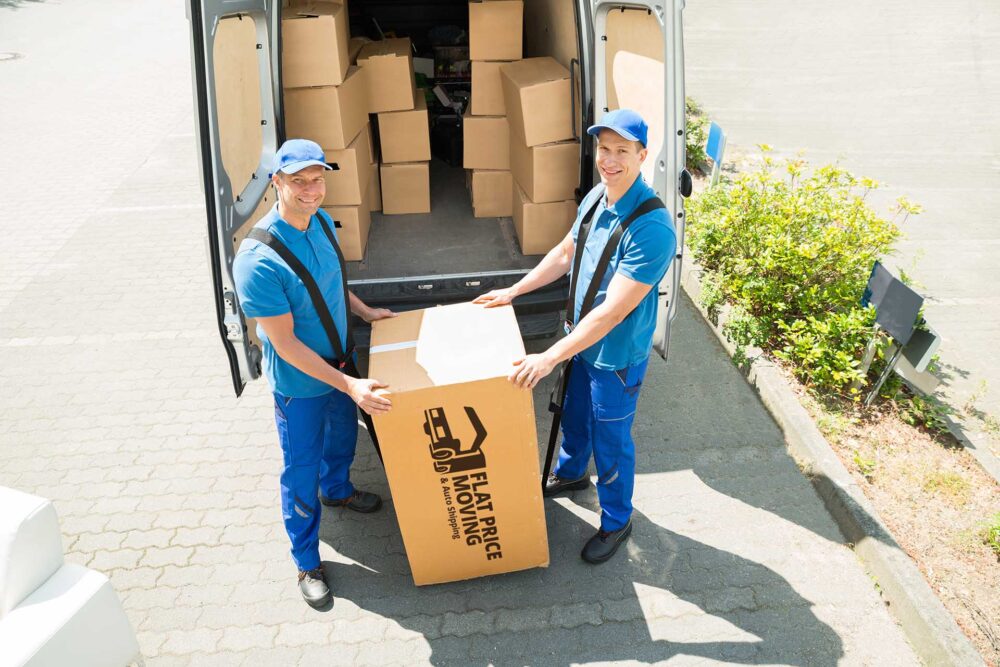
<point>558,395</point>
<point>344,360</point>
<point>581,241</point>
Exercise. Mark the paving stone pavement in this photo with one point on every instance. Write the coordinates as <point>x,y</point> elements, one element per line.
<point>115,402</point>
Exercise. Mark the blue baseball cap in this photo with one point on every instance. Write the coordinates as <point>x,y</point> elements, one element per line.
<point>625,122</point>
<point>297,154</point>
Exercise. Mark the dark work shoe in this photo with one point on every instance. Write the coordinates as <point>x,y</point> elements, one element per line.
<point>359,501</point>
<point>556,485</point>
<point>312,583</point>
<point>603,546</point>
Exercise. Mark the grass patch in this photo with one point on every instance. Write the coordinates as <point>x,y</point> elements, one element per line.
<point>948,485</point>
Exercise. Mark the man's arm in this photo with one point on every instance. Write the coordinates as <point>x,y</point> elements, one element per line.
<point>280,331</point>
<point>623,295</point>
<point>359,308</point>
<point>553,266</point>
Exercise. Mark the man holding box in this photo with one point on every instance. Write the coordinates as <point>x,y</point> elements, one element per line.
<point>313,400</point>
<point>610,343</point>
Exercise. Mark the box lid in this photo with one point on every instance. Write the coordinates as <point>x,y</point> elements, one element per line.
<point>531,71</point>
<point>444,345</point>
<point>398,46</point>
<point>305,10</point>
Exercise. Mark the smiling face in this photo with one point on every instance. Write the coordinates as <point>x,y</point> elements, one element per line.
<point>300,194</point>
<point>618,160</point>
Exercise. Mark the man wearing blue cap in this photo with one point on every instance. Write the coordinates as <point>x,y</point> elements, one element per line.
<point>611,343</point>
<point>313,400</point>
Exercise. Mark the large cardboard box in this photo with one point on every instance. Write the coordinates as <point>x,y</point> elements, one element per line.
<point>389,63</point>
<point>495,28</point>
<point>314,45</point>
<point>347,184</point>
<point>354,223</point>
<point>405,135</point>
<point>487,93</point>
<point>540,227</point>
<point>375,189</point>
<point>492,194</point>
<point>536,94</point>
<point>354,47</point>
<point>459,444</point>
<point>329,115</point>
<point>486,142</point>
<point>406,188</point>
<point>549,172</point>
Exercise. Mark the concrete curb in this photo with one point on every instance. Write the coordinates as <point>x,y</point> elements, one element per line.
<point>931,629</point>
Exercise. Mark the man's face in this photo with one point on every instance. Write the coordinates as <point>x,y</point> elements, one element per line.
<point>618,159</point>
<point>301,193</point>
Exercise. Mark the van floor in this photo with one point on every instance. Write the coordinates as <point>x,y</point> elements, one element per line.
<point>448,240</point>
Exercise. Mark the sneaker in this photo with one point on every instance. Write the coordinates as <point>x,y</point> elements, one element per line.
<point>312,583</point>
<point>556,485</point>
<point>359,501</point>
<point>603,546</point>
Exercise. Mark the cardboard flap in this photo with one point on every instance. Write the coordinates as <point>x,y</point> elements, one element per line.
<point>531,71</point>
<point>466,342</point>
<point>444,345</point>
<point>397,47</point>
<point>311,10</point>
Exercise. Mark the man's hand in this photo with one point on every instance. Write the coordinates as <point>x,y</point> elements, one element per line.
<point>498,297</point>
<point>372,314</point>
<point>531,369</point>
<point>368,395</point>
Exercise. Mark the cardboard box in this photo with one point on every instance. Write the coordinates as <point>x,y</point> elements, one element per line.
<point>487,93</point>
<point>540,227</point>
<point>347,184</point>
<point>486,142</point>
<point>495,28</point>
<point>405,135</point>
<point>354,223</point>
<point>390,84</point>
<point>492,193</point>
<point>549,172</point>
<point>536,94</point>
<point>406,188</point>
<point>330,115</point>
<point>314,45</point>
<point>459,445</point>
<point>375,189</point>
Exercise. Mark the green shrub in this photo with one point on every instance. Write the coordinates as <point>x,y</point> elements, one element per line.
<point>791,251</point>
<point>696,134</point>
<point>990,533</point>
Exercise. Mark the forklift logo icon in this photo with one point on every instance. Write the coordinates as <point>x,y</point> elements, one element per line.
<point>446,450</point>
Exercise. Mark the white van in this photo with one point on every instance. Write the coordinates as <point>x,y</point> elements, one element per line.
<point>621,54</point>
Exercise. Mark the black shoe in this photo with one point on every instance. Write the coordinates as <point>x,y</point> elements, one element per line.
<point>359,501</point>
<point>603,546</point>
<point>312,583</point>
<point>556,485</point>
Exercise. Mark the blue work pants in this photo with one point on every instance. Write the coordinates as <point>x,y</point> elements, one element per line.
<point>597,418</point>
<point>318,436</point>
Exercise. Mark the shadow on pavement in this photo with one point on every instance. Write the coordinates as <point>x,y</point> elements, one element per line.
<point>698,415</point>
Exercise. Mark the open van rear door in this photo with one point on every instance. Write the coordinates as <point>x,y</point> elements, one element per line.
<point>639,64</point>
<point>235,58</point>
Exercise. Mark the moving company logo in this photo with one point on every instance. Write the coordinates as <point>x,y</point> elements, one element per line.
<point>464,482</point>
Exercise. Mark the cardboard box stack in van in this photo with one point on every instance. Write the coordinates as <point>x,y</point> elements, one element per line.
<point>403,125</point>
<point>459,445</point>
<point>406,187</point>
<point>495,29</point>
<point>326,101</point>
<point>544,154</point>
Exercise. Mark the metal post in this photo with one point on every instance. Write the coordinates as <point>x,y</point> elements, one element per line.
<point>889,367</point>
<point>866,362</point>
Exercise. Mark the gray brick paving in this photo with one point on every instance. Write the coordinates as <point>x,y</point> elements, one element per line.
<point>115,402</point>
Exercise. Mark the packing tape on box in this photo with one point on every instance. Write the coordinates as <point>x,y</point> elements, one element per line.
<point>391,347</point>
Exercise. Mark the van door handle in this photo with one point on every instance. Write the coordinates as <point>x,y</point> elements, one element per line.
<point>572,96</point>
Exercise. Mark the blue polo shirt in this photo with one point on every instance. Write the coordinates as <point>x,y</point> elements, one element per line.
<point>268,287</point>
<point>643,254</point>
